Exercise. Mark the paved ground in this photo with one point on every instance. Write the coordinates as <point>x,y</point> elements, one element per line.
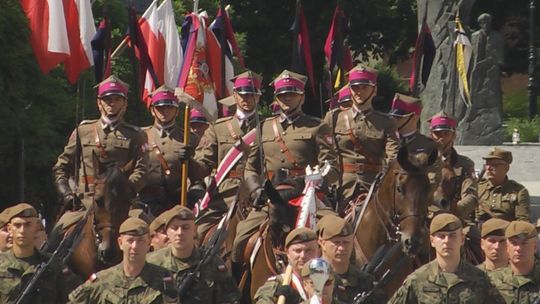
<point>525,167</point>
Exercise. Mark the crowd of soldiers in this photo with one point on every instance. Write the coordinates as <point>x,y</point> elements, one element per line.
<point>355,140</point>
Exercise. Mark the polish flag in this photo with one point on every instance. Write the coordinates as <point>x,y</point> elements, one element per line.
<point>164,49</point>
<point>49,37</point>
<point>80,22</point>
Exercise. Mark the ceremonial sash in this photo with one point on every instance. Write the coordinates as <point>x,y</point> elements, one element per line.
<point>229,161</point>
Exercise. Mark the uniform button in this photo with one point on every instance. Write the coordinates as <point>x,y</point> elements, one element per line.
<point>163,143</point>
<point>284,132</point>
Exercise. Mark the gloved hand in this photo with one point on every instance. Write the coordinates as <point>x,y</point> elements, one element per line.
<point>69,200</point>
<point>259,198</point>
<point>291,295</point>
<point>195,193</point>
<point>184,152</point>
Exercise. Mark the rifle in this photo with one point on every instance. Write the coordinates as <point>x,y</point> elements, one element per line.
<point>60,255</point>
<point>365,297</point>
<point>209,251</point>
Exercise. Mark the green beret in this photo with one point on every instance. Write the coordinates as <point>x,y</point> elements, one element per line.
<point>178,212</point>
<point>300,235</point>
<point>331,226</point>
<point>139,213</point>
<point>3,219</point>
<point>133,226</point>
<point>444,222</point>
<point>494,226</point>
<point>520,229</point>
<point>20,210</point>
<point>497,153</point>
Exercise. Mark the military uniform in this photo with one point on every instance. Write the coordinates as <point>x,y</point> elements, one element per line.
<point>163,178</point>
<point>355,281</point>
<point>517,289</point>
<point>214,284</point>
<point>113,286</point>
<point>509,201</point>
<point>15,273</point>
<point>429,284</point>
<point>364,139</point>
<point>113,142</point>
<point>266,293</point>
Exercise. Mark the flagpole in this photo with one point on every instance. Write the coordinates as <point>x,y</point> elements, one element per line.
<point>531,86</point>
<point>223,42</point>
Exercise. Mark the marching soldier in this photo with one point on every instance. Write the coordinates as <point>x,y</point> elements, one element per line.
<point>520,281</point>
<point>501,197</point>
<point>158,236</point>
<point>449,278</point>
<point>493,244</point>
<point>19,264</point>
<point>464,195</point>
<point>214,284</point>
<point>219,139</point>
<point>109,137</point>
<point>365,138</point>
<point>406,113</point>
<point>290,142</point>
<point>167,151</point>
<point>133,280</point>
<point>336,240</point>
<point>300,246</point>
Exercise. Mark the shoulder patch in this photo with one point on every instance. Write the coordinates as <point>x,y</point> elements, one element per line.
<point>221,268</point>
<point>93,277</point>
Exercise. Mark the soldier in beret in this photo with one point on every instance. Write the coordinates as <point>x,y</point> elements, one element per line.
<point>406,113</point>
<point>327,294</point>
<point>365,138</point>
<point>6,241</point>
<point>520,281</point>
<point>291,140</point>
<point>167,151</point>
<point>501,197</point>
<point>133,280</point>
<point>158,235</point>
<point>463,196</point>
<point>449,278</point>
<point>110,138</point>
<point>20,262</point>
<point>214,283</point>
<point>300,247</point>
<point>336,240</point>
<point>219,139</point>
<point>493,243</point>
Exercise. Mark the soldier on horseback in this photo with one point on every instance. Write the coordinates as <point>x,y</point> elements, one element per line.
<point>365,138</point>
<point>110,138</point>
<point>167,151</point>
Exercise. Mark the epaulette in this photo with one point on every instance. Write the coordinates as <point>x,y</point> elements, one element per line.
<point>88,121</point>
<point>222,119</point>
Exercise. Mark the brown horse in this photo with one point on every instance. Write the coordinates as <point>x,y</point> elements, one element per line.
<point>395,214</point>
<point>96,247</point>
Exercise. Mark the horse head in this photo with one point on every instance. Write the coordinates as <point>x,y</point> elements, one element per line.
<point>412,195</point>
<point>112,197</point>
<point>282,215</point>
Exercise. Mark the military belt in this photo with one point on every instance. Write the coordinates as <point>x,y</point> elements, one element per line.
<point>359,168</point>
<point>290,173</point>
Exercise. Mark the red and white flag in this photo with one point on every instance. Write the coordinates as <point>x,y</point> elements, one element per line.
<point>49,37</point>
<point>82,29</point>
<point>159,30</point>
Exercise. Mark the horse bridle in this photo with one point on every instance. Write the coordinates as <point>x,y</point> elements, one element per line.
<point>394,220</point>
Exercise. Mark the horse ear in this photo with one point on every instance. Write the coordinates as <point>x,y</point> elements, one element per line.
<point>99,168</point>
<point>128,168</point>
<point>403,160</point>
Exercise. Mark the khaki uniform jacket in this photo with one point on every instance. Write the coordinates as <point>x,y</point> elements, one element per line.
<point>465,193</point>
<point>509,201</point>
<point>430,286</point>
<point>15,273</point>
<point>163,147</point>
<point>265,293</point>
<point>214,145</point>
<point>518,289</point>
<point>123,144</point>
<point>308,141</point>
<point>215,284</point>
<point>367,140</point>
<point>353,282</point>
<point>113,286</point>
